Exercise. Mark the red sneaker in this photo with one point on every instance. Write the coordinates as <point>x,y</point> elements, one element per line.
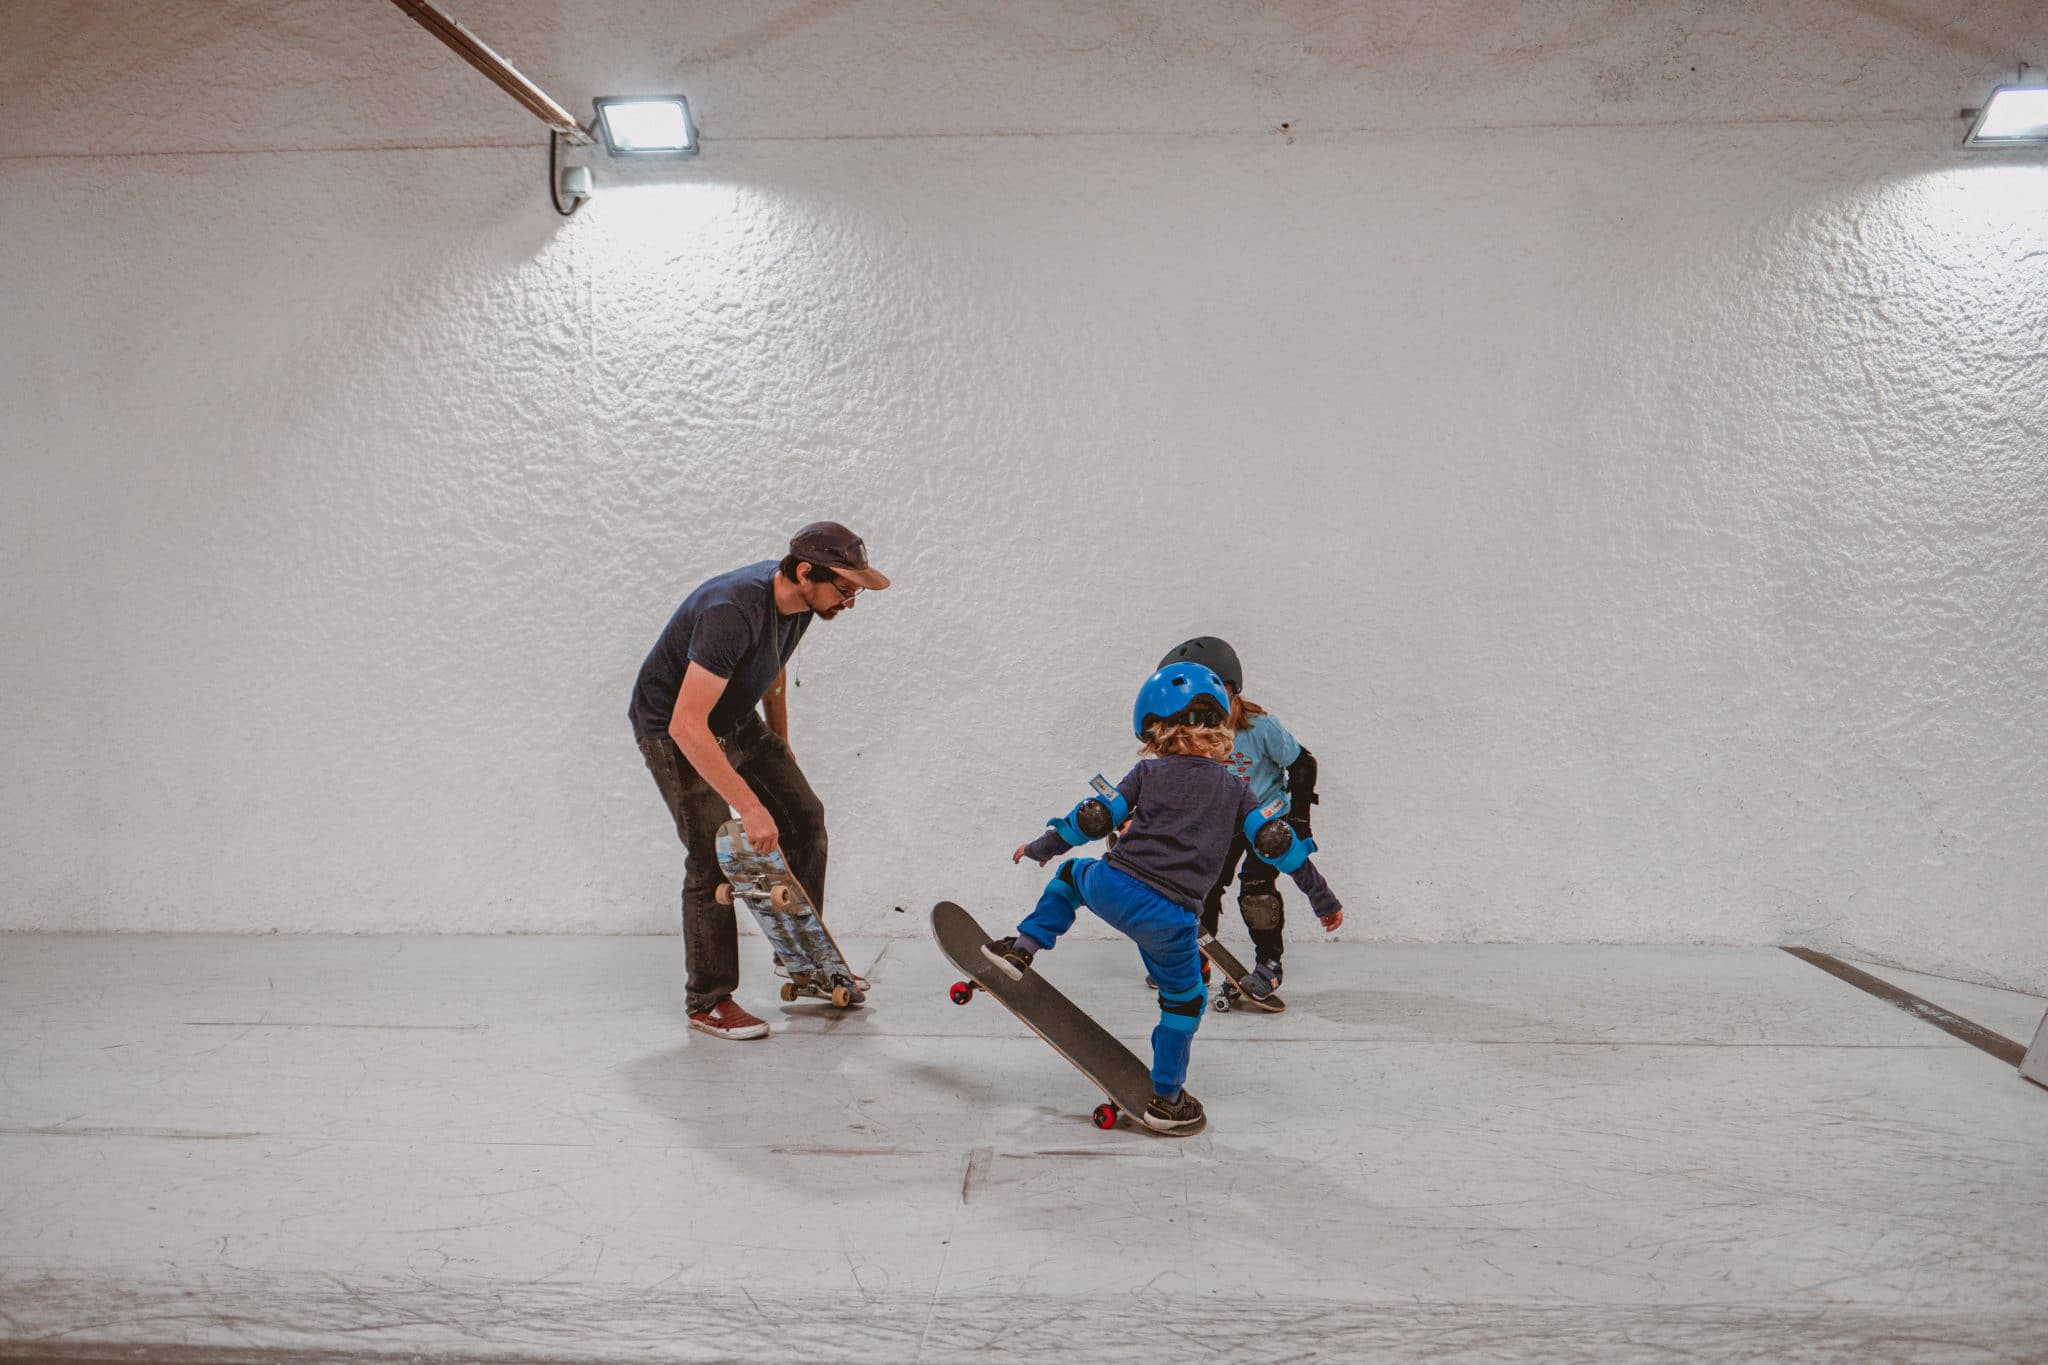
<point>727,1020</point>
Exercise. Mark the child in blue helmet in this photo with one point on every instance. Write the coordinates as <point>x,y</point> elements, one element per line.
<point>1183,806</point>
<point>1277,768</point>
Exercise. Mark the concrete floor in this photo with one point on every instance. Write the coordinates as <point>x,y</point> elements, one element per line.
<point>511,1149</point>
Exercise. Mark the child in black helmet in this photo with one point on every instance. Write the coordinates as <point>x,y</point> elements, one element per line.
<point>1273,764</point>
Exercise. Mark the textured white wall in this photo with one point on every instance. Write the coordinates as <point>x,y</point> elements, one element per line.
<point>1631,486</point>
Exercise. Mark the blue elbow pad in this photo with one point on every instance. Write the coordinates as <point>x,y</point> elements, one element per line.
<point>1273,839</point>
<point>1092,816</point>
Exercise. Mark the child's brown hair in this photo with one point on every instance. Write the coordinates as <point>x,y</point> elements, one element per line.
<point>1201,741</point>
<point>1242,711</point>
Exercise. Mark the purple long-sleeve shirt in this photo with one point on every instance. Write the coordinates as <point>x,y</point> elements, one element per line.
<point>1184,813</point>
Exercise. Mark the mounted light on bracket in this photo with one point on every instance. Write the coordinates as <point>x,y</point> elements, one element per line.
<point>2014,116</point>
<point>633,128</point>
<point>632,125</point>
<point>645,125</point>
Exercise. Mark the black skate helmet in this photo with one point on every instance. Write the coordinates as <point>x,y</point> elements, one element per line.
<point>1213,654</point>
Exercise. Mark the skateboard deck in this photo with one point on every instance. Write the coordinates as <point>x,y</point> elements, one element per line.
<point>1094,1051</point>
<point>1233,993</point>
<point>787,918</point>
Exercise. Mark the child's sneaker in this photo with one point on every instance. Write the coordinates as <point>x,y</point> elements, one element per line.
<point>1011,956</point>
<point>1176,1115</point>
<point>1262,981</point>
<point>727,1020</point>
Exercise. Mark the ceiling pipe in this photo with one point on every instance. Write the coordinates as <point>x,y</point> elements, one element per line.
<point>503,74</point>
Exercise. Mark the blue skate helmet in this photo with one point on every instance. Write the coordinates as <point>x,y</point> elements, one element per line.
<point>1180,694</point>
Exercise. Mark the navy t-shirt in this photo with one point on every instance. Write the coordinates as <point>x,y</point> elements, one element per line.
<point>731,627</point>
<point>1184,812</point>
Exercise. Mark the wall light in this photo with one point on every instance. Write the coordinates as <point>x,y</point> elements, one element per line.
<point>646,125</point>
<point>632,125</point>
<point>2014,116</point>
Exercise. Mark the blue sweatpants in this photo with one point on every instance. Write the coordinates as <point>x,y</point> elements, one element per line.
<point>1165,933</point>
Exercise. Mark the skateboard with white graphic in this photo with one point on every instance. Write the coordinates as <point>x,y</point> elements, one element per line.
<point>788,920</point>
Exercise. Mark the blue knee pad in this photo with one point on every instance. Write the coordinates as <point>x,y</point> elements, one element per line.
<point>1066,883</point>
<point>1183,1013</point>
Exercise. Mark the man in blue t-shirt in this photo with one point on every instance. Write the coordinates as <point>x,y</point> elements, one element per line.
<point>712,753</point>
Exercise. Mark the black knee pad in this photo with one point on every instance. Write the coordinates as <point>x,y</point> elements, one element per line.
<point>1183,1016</point>
<point>1261,908</point>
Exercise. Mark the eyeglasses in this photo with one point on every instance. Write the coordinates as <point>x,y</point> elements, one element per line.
<point>845,597</point>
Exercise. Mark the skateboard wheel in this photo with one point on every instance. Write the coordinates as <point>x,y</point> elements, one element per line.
<point>1105,1116</point>
<point>1220,1004</point>
<point>842,996</point>
<point>780,897</point>
<point>788,991</point>
<point>962,992</point>
<point>723,895</point>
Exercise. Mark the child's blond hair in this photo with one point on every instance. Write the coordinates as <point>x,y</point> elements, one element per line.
<point>1200,741</point>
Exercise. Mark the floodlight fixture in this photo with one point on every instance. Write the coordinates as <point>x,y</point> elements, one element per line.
<point>646,125</point>
<point>2014,116</point>
<point>631,125</point>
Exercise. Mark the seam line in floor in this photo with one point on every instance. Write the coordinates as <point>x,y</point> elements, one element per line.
<point>1976,1035</point>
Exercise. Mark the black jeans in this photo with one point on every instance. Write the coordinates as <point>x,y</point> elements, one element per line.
<point>1260,877</point>
<point>711,939</point>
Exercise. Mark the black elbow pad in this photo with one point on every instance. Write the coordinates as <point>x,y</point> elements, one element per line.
<point>1301,781</point>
